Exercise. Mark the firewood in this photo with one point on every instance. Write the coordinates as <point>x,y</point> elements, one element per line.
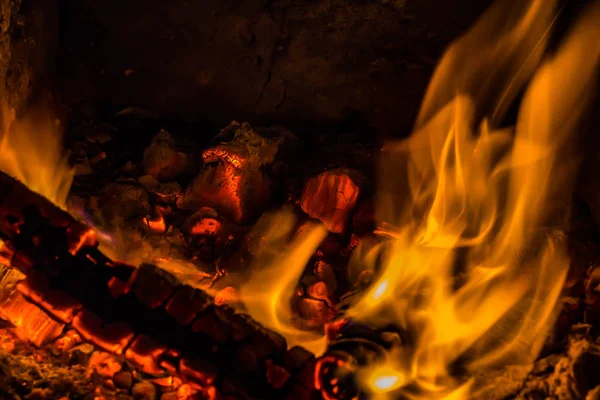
<point>332,196</point>
<point>145,313</point>
<point>234,179</point>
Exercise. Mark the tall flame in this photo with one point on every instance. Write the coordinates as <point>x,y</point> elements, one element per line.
<point>280,264</point>
<point>30,151</point>
<point>469,273</point>
<point>474,267</point>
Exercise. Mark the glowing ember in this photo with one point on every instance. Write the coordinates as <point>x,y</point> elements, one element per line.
<point>157,225</point>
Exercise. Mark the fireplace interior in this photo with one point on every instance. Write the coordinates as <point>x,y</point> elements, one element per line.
<point>299,199</point>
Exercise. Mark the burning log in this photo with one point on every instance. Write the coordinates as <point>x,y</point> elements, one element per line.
<point>332,196</point>
<point>159,324</point>
<point>235,178</point>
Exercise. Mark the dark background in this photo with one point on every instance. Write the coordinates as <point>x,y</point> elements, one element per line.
<point>315,66</point>
<point>322,68</point>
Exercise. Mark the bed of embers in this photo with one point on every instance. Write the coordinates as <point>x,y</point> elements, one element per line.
<point>67,343</point>
<point>53,346</point>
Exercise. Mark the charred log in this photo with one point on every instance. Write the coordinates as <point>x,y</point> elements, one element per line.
<point>158,323</point>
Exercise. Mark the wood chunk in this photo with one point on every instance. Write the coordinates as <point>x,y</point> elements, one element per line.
<point>153,286</point>
<point>104,364</point>
<point>117,287</point>
<point>9,278</point>
<point>325,273</point>
<point>122,270</point>
<point>67,341</point>
<point>167,383</point>
<point>277,376</point>
<point>209,324</point>
<point>259,347</point>
<point>57,303</point>
<point>149,182</point>
<point>296,357</point>
<point>187,391</point>
<point>79,236</point>
<point>306,375</point>
<point>30,320</point>
<point>144,390</point>
<point>315,312</point>
<point>170,361</point>
<point>199,370</point>
<point>239,194</point>
<point>144,353</point>
<point>17,198</point>
<point>241,325</point>
<point>331,197</point>
<point>233,178</point>
<point>123,379</point>
<point>6,255</point>
<point>113,337</point>
<point>186,304</point>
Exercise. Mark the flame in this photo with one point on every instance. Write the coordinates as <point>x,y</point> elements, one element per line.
<point>280,264</point>
<point>474,263</point>
<point>30,151</point>
<point>465,272</point>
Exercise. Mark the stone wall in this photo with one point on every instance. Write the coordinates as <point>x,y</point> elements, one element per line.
<point>312,65</point>
<point>28,44</point>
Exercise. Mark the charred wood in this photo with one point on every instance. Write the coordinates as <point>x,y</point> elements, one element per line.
<point>238,172</point>
<point>158,323</point>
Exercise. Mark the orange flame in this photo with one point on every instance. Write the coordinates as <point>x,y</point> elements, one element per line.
<point>30,151</point>
<point>474,267</point>
<point>280,264</point>
<point>476,202</point>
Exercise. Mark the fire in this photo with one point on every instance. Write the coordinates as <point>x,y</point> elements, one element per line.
<point>465,273</point>
<point>280,264</point>
<point>473,266</point>
<point>385,379</point>
<point>30,151</point>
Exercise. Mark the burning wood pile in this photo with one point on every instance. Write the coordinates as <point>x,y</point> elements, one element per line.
<point>254,270</point>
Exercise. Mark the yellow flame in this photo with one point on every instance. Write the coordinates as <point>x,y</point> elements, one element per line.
<point>475,262</point>
<point>464,272</point>
<point>280,264</point>
<point>385,379</point>
<point>30,151</point>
